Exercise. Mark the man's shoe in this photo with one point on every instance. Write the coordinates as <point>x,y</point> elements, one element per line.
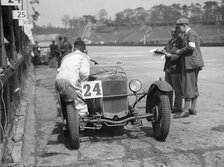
<point>192,112</point>
<point>181,115</point>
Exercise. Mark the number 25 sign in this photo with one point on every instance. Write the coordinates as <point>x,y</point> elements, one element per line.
<point>19,14</point>
<point>92,89</point>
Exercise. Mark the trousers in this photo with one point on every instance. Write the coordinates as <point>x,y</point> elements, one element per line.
<point>61,85</point>
<point>174,79</point>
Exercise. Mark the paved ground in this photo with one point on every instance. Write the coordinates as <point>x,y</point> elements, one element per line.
<point>195,141</point>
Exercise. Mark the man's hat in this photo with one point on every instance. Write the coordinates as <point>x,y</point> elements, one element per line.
<point>182,21</point>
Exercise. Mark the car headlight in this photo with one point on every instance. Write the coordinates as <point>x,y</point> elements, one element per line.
<point>135,85</point>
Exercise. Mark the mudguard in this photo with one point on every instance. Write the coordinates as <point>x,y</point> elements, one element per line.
<point>162,86</point>
<point>68,94</point>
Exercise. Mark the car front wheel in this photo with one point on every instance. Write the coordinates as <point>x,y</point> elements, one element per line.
<point>161,110</point>
<point>73,125</point>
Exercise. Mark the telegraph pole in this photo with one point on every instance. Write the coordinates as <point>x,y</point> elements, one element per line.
<point>218,20</point>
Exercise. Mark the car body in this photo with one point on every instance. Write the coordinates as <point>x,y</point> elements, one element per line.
<point>107,95</point>
<point>44,56</point>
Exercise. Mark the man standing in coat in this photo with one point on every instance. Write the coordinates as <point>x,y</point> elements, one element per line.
<point>192,64</point>
<point>66,48</point>
<point>54,53</point>
<point>36,51</point>
<point>172,67</point>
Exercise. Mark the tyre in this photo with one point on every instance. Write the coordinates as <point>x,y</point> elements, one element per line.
<point>161,109</point>
<point>73,125</point>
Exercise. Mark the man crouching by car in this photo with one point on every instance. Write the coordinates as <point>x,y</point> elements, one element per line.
<point>74,69</point>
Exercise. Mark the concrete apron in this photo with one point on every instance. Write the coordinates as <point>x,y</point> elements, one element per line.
<point>29,136</point>
<point>15,144</point>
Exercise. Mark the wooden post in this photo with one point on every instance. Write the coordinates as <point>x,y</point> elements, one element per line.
<point>12,37</point>
<point>3,56</point>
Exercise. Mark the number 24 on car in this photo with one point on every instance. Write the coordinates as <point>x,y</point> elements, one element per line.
<point>92,89</point>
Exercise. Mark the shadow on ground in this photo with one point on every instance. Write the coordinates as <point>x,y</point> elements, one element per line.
<point>108,134</point>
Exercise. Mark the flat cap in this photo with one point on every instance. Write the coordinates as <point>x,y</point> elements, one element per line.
<point>182,21</point>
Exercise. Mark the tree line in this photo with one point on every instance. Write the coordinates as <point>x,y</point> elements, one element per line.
<point>209,13</point>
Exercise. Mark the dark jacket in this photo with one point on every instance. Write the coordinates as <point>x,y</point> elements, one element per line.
<point>66,48</point>
<point>192,56</point>
<point>54,50</point>
<point>173,66</point>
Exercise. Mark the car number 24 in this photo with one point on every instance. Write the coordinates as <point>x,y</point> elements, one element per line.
<point>92,89</point>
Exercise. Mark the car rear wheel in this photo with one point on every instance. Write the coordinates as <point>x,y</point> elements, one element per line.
<point>161,110</point>
<point>73,125</point>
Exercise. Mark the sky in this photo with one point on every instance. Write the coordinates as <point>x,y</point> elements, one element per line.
<point>51,11</point>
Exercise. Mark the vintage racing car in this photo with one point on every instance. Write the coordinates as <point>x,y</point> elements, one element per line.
<point>107,96</point>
